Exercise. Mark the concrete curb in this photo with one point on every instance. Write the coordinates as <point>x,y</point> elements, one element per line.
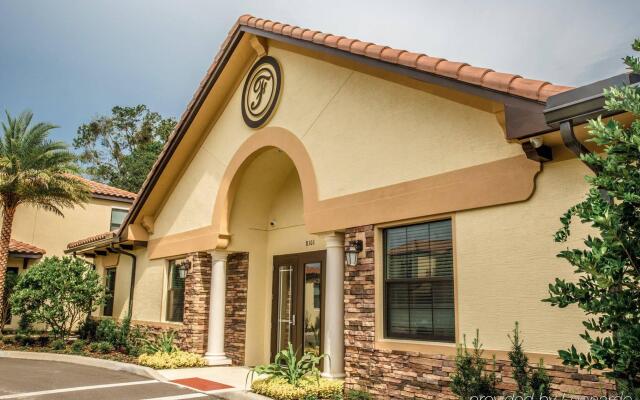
<point>81,360</point>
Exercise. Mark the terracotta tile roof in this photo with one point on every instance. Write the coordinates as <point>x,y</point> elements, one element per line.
<point>106,190</point>
<point>484,77</point>
<point>18,247</point>
<point>92,239</point>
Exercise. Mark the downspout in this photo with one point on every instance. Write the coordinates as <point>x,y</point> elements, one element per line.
<point>572,143</point>
<point>134,260</point>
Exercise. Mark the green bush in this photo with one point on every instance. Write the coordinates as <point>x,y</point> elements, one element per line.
<point>24,340</point>
<point>87,329</point>
<point>470,379</point>
<point>58,292</point>
<point>163,343</point>
<point>78,346</point>
<point>107,331</point>
<point>9,340</point>
<point>308,388</point>
<point>286,365</point>
<point>534,384</point>
<point>42,340</point>
<point>58,344</point>
<point>357,395</point>
<point>175,359</point>
<point>101,347</point>
<point>25,323</point>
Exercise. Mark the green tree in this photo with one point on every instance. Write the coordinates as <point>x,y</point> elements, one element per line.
<point>34,171</point>
<point>607,287</point>
<point>58,292</point>
<point>519,362</point>
<point>470,379</point>
<point>120,149</point>
<point>532,384</point>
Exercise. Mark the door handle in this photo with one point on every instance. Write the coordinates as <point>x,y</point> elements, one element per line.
<point>293,320</point>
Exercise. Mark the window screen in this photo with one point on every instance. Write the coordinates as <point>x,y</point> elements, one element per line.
<point>418,282</point>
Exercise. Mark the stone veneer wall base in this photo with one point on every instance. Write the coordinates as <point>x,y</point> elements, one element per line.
<point>236,307</point>
<point>390,374</point>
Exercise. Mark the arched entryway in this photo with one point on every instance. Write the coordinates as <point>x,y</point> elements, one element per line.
<point>295,278</point>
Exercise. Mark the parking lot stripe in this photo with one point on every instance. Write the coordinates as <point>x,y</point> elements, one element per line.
<point>180,396</point>
<point>75,389</point>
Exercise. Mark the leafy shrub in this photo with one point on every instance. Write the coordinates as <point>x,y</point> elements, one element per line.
<point>24,340</point>
<point>607,268</point>
<point>107,331</point>
<point>101,347</point>
<point>286,365</point>
<point>58,292</point>
<point>135,341</point>
<point>163,343</point>
<point>78,346</point>
<point>88,329</point>
<point>42,340</point>
<point>308,388</point>
<point>9,340</point>
<point>175,359</point>
<point>58,344</point>
<point>357,395</point>
<point>25,323</point>
<point>470,380</point>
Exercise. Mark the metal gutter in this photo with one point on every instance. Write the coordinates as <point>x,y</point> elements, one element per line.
<point>583,103</point>
<point>132,284</point>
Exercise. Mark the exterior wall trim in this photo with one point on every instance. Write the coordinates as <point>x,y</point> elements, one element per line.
<point>498,182</point>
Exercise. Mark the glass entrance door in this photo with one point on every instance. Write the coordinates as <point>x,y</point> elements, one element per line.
<point>298,296</point>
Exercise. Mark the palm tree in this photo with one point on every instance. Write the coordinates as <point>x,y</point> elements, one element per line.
<point>34,171</point>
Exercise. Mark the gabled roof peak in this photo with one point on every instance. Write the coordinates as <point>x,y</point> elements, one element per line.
<point>483,77</point>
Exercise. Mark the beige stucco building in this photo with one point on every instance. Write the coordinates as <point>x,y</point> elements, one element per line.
<point>37,233</point>
<point>447,180</point>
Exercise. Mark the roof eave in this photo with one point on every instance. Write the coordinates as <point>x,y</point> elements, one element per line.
<point>585,102</point>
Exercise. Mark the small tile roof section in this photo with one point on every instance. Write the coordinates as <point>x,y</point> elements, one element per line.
<point>92,239</point>
<point>18,247</point>
<point>106,190</point>
<point>484,77</point>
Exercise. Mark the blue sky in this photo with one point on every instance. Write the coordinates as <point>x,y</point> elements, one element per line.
<point>69,60</point>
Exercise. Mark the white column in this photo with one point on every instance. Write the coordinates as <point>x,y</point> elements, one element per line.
<point>215,339</point>
<point>333,329</point>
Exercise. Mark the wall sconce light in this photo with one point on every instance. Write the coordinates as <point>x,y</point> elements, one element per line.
<point>183,268</point>
<point>351,252</point>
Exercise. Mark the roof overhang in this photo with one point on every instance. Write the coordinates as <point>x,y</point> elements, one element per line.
<point>112,198</point>
<point>104,247</point>
<point>25,255</point>
<point>585,102</point>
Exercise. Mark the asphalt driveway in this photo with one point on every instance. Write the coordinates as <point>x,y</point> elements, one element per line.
<point>49,380</point>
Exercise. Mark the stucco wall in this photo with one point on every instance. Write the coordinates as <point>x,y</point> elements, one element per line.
<point>269,191</point>
<point>364,132</point>
<point>361,131</point>
<point>149,288</point>
<point>52,233</point>
<point>506,257</point>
